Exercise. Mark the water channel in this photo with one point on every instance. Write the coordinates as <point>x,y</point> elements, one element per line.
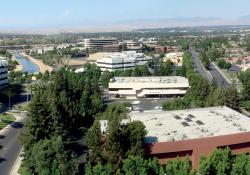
<point>27,65</point>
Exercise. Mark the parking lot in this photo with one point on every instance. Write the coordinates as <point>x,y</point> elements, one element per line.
<point>142,104</point>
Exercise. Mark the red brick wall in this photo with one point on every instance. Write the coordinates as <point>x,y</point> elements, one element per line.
<point>194,148</point>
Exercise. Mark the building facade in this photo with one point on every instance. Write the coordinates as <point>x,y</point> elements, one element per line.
<point>122,61</point>
<point>98,43</point>
<point>3,73</point>
<point>148,87</point>
<point>112,48</point>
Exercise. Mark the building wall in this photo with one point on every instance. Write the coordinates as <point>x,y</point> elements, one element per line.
<point>195,148</point>
<point>3,73</point>
<point>97,43</point>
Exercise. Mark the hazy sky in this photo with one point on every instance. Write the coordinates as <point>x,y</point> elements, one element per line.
<point>51,13</point>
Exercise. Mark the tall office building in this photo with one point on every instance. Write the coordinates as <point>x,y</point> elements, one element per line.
<point>3,73</point>
<point>98,43</point>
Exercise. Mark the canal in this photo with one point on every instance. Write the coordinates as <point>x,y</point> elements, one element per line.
<point>27,65</point>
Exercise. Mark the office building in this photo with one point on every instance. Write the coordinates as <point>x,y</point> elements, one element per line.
<point>3,73</point>
<point>193,132</point>
<point>148,87</point>
<point>112,48</point>
<point>98,43</point>
<point>122,61</point>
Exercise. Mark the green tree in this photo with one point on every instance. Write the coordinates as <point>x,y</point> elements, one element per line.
<point>232,98</point>
<point>240,164</point>
<point>105,78</point>
<point>218,163</point>
<point>50,157</point>
<point>93,139</point>
<point>133,134</point>
<point>134,165</point>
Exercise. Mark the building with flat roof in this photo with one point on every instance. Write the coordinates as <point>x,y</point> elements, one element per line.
<point>98,43</point>
<point>3,72</point>
<point>193,132</point>
<point>122,61</point>
<point>148,87</point>
<point>174,57</point>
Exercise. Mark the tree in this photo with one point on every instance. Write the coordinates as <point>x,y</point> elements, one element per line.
<point>9,93</point>
<point>219,162</point>
<point>240,164</point>
<point>134,165</point>
<point>50,157</point>
<point>133,135</point>
<point>232,98</point>
<point>165,69</point>
<point>113,144</point>
<point>105,78</point>
<point>177,166</point>
<point>93,139</point>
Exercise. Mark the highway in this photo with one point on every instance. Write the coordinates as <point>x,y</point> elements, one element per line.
<point>210,74</point>
<point>199,67</point>
<point>221,81</point>
<point>10,145</point>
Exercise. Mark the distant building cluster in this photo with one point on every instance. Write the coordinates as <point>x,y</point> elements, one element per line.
<point>3,72</point>
<point>243,62</point>
<point>122,61</point>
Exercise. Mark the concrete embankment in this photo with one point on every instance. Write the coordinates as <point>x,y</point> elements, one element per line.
<point>43,67</point>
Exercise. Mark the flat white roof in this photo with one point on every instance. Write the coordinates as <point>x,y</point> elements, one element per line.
<point>161,79</point>
<point>165,126</point>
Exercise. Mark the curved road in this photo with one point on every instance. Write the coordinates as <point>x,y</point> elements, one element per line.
<point>10,146</point>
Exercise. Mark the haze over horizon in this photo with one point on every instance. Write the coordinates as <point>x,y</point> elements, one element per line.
<point>114,14</point>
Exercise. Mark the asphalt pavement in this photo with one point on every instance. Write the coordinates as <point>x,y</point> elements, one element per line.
<point>199,67</point>
<point>10,145</point>
<point>210,74</point>
<point>221,80</point>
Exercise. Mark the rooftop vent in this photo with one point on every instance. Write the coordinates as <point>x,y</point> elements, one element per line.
<point>188,119</point>
<point>185,124</point>
<point>191,116</point>
<point>199,122</point>
<point>177,117</point>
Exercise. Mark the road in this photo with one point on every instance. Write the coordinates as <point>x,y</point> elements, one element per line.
<point>199,67</point>
<point>211,74</point>
<point>10,145</point>
<point>221,81</point>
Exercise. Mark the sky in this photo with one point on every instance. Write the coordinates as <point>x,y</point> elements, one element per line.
<point>63,13</point>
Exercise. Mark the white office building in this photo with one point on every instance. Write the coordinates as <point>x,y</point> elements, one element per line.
<point>98,43</point>
<point>122,61</point>
<point>3,73</point>
<point>148,87</point>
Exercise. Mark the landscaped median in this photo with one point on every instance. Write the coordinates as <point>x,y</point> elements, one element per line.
<point>6,119</point>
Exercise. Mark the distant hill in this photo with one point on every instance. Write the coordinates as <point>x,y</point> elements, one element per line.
<point>130,25</point>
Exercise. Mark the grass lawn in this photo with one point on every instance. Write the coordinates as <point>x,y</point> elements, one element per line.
<point>6,119</point>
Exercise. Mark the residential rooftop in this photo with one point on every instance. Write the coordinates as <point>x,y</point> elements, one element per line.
<point>167,126</point>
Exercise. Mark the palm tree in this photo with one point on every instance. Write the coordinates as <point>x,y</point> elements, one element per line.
<point>9,93</point>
